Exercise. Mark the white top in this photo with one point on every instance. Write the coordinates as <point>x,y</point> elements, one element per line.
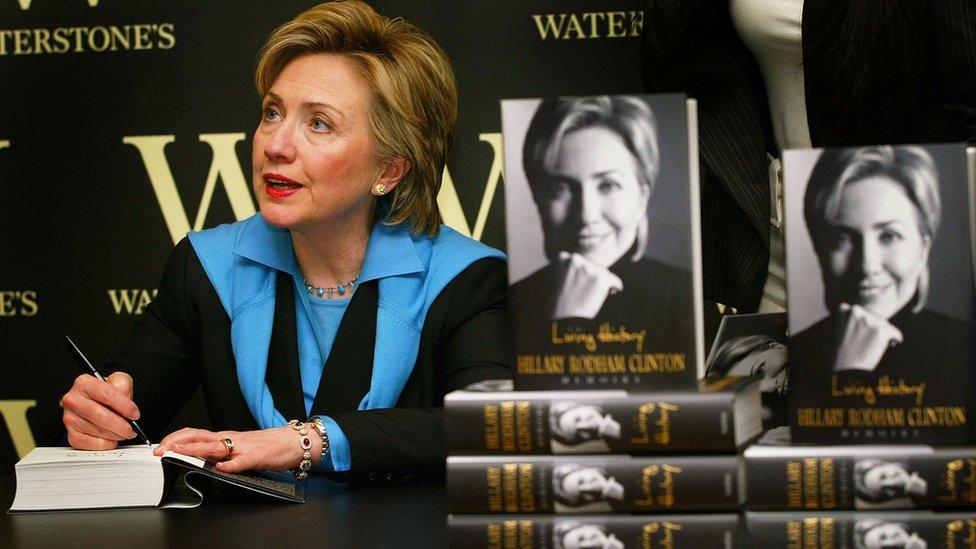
<point>771,29</point>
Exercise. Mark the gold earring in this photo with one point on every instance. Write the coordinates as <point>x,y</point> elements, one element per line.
<point>379,189</point>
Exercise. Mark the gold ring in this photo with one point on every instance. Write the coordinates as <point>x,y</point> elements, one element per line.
<point>229,444</point>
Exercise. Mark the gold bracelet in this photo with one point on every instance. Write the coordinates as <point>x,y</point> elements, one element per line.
<point>320,427</point>
<point>306,444</point>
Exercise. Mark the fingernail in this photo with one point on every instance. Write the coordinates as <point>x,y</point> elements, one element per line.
<point>136,415</point>
<point>132,434</point>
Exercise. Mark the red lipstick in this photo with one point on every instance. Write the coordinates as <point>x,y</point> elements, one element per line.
<point>279,186</point>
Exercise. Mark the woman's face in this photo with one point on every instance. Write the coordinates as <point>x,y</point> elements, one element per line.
<point>594,201</point>
<point>770,362</point>
<point>584,481</point>
<point>887,478</point>
<point>586,536</point>
<point>582,422</point>
<point>875,250</point>
<point>886,535</point>
<point>313,155</point>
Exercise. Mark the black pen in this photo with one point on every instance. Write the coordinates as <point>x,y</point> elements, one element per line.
<point>83,361</point>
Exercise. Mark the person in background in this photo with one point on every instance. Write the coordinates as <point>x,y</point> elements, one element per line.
<point>344,305</point>
<point>771,75</point>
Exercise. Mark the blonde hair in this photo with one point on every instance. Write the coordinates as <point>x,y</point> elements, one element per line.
<point>413,95</point>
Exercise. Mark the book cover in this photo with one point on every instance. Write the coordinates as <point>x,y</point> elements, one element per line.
<point>754,345</point>
<point>719,416</point>
<point>859,477</point>
<point>856,530</point>
<point>880,294</point>
<point>601,209</point>
<point>715,531</point>
<point>592,484</point>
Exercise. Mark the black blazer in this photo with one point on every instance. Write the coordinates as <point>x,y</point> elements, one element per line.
<point>183,340</point>
<point>691,46</point>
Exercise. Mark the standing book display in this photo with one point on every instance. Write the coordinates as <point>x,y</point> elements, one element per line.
<point>603,241</point>
<point>880,294</point>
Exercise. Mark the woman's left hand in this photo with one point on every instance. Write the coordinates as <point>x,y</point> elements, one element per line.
<point>267,449</point>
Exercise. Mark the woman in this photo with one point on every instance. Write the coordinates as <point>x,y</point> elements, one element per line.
<point>574,534</point>
<point>873,214</point>
<point>592,165</point>
<point>344,300</point>
<point>756,355</point>
<point>572,423</point>
<point>881,534</point>
<point>574,485</point>
<point>789,74</point>
<point>879,481</point>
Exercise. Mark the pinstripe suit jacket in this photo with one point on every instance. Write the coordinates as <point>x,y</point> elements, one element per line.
<point>691,46</point>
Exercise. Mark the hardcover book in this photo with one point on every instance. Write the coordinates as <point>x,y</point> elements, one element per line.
<point>54,478</point>
<point>880,290</point>
<point>858,477</point>
<point>602,219</point>
<point>715,531</point>
<point>592,484</point>
<point>856,530</point>
<point>721,415</point>
<point>754,345</point>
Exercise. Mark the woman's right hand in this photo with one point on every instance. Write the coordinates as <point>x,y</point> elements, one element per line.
<point>584,287</point>
<point>864,339</point>
<point>97,413</point>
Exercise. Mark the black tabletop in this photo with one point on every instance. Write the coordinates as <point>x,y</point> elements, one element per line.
<point>333,516</point>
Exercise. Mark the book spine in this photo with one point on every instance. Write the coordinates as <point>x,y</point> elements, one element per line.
<point>654,423</point>
<point>921,529</point>
<point>556,532</point>
<point>592,484</point>
<point>944,479</point>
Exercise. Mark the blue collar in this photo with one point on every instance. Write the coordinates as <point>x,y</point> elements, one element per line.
<point>390,251</point>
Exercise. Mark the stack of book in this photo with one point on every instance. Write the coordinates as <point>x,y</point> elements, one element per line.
<point>880,291</point>
<point>609,440</point>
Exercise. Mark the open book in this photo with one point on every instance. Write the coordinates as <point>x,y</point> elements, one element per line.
<point>51,479</point>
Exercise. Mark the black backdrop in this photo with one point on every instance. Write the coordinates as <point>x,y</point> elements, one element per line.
<point>117,113</point>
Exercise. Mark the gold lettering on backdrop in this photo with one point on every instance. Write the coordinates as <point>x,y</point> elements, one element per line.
<point>132,302</point>
<point>18,303</point>
<point>97,39</point>
<point>450,205</point>
<point>15,417</point>
<point>588,25</point>
<point>4,144</point>
<point>224,165</point>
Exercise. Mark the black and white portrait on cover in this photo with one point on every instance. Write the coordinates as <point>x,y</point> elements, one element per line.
<point>581,428</point>
<point>884,483</point>
<point>883,534</point>
<point>576,534</point>
<point>598,218</point>
<point>879,269</point>
<point>577,487</point>
<point>754,344</point>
